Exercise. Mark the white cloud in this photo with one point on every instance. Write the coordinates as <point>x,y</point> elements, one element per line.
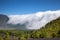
<point>33,21</point>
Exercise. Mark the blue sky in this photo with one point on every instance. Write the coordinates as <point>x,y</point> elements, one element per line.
<point>27,6</point>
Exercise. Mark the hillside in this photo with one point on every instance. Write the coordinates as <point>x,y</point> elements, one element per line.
<point>50,30</point>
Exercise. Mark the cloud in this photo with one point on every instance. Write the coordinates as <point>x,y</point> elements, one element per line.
<point>32,21</point>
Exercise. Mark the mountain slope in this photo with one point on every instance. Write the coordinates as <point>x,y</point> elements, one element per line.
<point>50,30</point>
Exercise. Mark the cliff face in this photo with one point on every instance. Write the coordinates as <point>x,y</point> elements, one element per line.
<point>3,20</point>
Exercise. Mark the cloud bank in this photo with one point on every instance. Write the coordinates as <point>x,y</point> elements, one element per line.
<point>32,21</point>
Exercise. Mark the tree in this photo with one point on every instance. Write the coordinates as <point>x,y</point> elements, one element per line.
<point>58,34</point>
<point>22,37</point>
<point>1,38</point>
<point>6,36</point>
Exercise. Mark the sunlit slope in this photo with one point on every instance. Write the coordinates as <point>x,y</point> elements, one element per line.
<point>51,29</point>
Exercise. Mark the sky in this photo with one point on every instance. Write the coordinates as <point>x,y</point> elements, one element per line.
<point>9,7</point>
<point>29,14</point>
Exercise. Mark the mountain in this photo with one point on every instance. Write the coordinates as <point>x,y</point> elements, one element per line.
<point>51,31</point>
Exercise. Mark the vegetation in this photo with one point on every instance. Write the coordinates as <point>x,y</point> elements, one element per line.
<point>50,30</point>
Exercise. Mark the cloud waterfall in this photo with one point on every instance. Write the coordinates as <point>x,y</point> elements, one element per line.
<point>32,21</point>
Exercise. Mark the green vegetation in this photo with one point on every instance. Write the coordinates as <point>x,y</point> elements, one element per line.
<point>50,30</point>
